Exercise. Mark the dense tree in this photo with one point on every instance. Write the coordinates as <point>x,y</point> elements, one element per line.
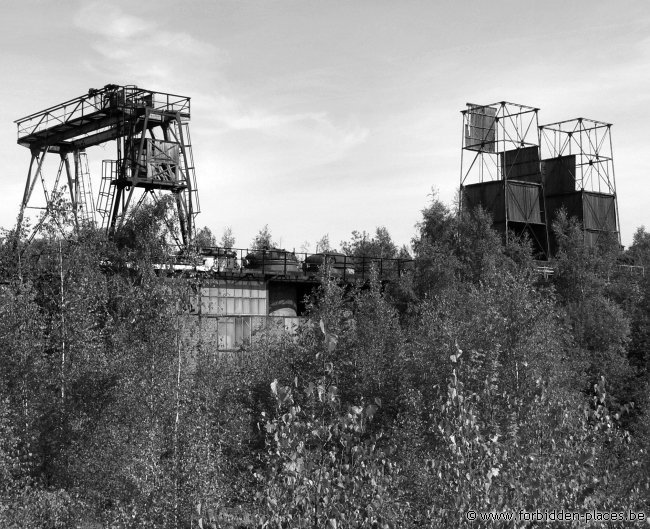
<point>593,296</point>
<point>489,388</point>
<point>263,240</point>
<point>639,251</point>
<point>204,238</point>
<point>227,238</point>
<point>379,245</point>
<point>323,245</point>
<point>150,232</point>
<point>433,247</point>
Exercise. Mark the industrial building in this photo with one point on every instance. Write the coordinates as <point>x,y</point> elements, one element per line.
<point>238,292</point>
<point>523,173</point>
<point>242,292</point>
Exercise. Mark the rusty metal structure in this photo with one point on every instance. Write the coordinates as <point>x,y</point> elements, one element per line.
<point>501,170</point>
<point>578,172</point>
<point>153,155</point>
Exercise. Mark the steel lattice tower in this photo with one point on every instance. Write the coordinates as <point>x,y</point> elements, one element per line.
<point>501,170</point>
<point>153,154</point>
<point>579,174</point>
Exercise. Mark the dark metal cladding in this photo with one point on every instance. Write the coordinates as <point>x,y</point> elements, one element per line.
<point>523,203</point>
<point>501,170</point>
<point>521,164</point>
<point>595,211</point>
<point>480,131</point>
<point>571,202</point>
<point>599,212</point>
<point>488,195</point>
<point>559,174</point>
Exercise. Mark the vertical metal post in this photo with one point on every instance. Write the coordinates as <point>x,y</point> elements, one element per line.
<point>547,247</point>
<point>138,159</point>
<point>462,153</point>
<point>29,186</point>
<point>73,185</point>
<point>180,206</point>
<point>611,153</point>
<point>188,179</point>
<point>119,191</point>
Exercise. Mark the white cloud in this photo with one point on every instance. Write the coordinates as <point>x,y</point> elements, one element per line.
<point>133,49</point>
<point>264,145</point>
<point>110,22</point>
<point>227,111</point>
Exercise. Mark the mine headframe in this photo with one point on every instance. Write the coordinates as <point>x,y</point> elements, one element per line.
<point>153,155</point>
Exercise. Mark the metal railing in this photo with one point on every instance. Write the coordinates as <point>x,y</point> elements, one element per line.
<point>295,265</point>
<point>111,98</point>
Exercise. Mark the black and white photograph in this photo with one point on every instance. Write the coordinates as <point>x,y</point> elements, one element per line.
<point>346,264</point>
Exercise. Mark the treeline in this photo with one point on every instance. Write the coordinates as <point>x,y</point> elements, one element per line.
<point>474,383</point>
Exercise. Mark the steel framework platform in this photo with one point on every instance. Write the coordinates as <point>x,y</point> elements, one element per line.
<point>153,146</point>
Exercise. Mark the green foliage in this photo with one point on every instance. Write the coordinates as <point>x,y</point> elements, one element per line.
<point>639,252</point>
<point>204,238</point>
<point>639,350</point>
<point>434,247</point>
<point>488,390</point>
<point>322,468</point>
<point>227,238</point>
<point>323,245</point>
<point>149,231</point>
<point>362,244</point>
<point>594,295</point>
<point>452,251</point>
<point>263,240</point>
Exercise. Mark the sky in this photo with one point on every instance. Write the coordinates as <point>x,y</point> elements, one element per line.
<point>322,117</point>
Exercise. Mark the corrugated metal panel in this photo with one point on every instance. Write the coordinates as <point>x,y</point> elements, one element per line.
<point>524,202</point>
<point>596,211</point>
<point>521,164</point>
<point>572,202</point>
<point>559,174</point>
<point>480,129</point>
<point>599,212</point>
<point>592,237</point>
<point>488,195</point>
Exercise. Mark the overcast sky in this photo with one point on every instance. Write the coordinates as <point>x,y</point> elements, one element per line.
<point>322,117</point>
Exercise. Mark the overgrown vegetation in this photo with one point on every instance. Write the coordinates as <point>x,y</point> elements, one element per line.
<point>473,383</point>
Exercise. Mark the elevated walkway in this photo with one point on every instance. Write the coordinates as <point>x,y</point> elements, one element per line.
<point>97,117</point>
<point>277,264</point>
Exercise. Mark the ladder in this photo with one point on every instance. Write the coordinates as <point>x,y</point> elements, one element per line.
<point>105,195</point>
<point>85,204</point>
<point>187,161</point>
<point>179,131</point>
